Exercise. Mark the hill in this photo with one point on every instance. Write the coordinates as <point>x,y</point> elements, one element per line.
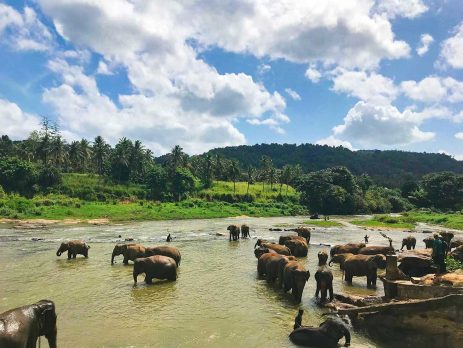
<point>389,168</point>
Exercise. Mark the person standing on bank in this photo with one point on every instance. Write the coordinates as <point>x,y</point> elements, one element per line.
<point>438,253</point>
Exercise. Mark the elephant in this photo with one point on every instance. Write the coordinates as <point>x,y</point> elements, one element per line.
<point>415,265</point>
<point>129,251</point>
<point>73,247</point>
<point>294,278</point>
<point>234,232</point>
<point>363,265</point>
<point>376,249</point>
<point>409,242</point>
<point>324,277</point>
<point>22,326</point>
<point>457,254</point>
<point>245,231</point>
<point>263,260</point>
<point>280,249</point>
<point>274,267</point>
<point>259,242</point>
<point>283,239</point>
<point>428,241</point>
<point>297,247</point>
<point>169,251</point>
<point>326,335</point>
<point>456,243</point>
<point>258,252</point>
<point>447,237</point>
<point>303,232</point>
<point>352,248</point>
<point>281,267</point>
<point>157,266</point>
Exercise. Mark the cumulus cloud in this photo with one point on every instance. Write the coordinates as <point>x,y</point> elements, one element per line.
<point>313,74</point>
<point>293,94</point>
<point>382,125</point>
<point>23,31</point>
<point>452,49</point>
<point>400,8</point>
<point>103,68</point>
<point>262,69</point>
<point>459,136</point>
<point>425,41</point>
<point>371,87</point>
<point>333,141</point>
<point>434,89</point>
<point>16,123</point>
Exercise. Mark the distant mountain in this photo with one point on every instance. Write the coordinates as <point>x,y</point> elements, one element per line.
<point>389,168</point>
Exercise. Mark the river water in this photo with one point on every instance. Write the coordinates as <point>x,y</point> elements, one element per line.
<point>217,300</point>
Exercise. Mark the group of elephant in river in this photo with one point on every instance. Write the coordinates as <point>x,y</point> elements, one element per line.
<point>234,232</point>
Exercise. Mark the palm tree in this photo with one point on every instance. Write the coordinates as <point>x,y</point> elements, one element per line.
<point>74,154</point>
<point>251,173</point>
<point>234,172</point>
<point>177,159</point>
<point>266,164</point>
<point>100,151</point>
<point>208,171</point>
<point>286,176</point>
<point>85,153</point>
<point>58,151</point>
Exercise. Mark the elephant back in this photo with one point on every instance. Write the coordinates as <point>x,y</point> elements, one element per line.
<point>169,251</point>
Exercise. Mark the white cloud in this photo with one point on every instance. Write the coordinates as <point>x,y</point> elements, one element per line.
<point>382,125</point>
<point>262,69</point>
<point>103,68</point>
<point>425,41</point>
<point>371,87</point>
<point>313,74</point>
<point>16,123</point>
<point>434,89</point>
<point>458,117</point>
<point>293,94</point>
<point>452,49</point>
<point>401,8</point>
<point>23,32</point>
<point>459,136</point>
<point>333,141</point>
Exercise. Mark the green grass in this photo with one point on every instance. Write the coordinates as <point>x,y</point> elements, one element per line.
<point>322,223</point>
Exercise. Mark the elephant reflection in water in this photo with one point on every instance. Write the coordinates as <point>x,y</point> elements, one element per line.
<point>22,327</point>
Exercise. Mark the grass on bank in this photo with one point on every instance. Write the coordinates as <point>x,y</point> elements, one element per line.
<point>322,223</point>
<point>384,221</point>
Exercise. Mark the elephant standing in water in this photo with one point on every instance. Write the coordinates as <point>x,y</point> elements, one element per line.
<point>376,250</point>
<point>129,251</point>
<point>280,249</point>
<point>409,242</point>
<point>303,232</point>
<point>234,232</point>
<point>158,266</point>
<point>297,247</point>
<point>294,277</point>
<point>352,248</point>
<point>21,327</point>
<point>73,247</point>
<point>428,241</point>
<point>326,335</point>
<point>165,251</point>
<point>364,265</point>
<point>245,231</point>
<point>324,277</point>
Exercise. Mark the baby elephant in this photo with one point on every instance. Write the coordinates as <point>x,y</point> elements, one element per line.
<point>157,266</point>
<point>73,248</point>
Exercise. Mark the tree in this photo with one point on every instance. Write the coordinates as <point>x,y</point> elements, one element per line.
<point>177,158</point>
<point>250,177</point>
<point>85,154</point>
<point>120,160</point>
<point>156,180</point>
<point>443,190</point>
<point>74,155</point>
<point>265,165</point>
<point>6,146</point>
<point>49,176</point>
<point>286,176</point>
<point>46,136</point>
<point>233,173</point>
<point>183,182</point>
<point>100,152</point>
<point>206,171</point>
<point>17,175</point>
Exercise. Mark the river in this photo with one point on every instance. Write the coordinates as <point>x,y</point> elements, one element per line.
<point>217,300</point>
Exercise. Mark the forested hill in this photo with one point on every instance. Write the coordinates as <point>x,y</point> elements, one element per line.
<point>390,168</point>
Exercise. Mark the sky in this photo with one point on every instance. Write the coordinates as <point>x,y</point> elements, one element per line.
<point>363,74</point>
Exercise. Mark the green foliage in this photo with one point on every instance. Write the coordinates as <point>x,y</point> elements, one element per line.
<point>183,183</point>
<point>322,223</point>
<point>17,175</point>
<point>49,176</point>
<point>443,190</point>
<point>156,181</point>
<point>387,221</point>
<point>452,264</point>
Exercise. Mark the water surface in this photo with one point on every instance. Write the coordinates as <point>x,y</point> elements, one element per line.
<point>217,301</point>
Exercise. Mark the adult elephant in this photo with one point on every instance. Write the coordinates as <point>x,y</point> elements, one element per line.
<point>447,237</point>
<point>297,247</point>
<point>294,278</point>
<point>157,266</point>
<point>245,231</point>
<point>129,251</point>
<point>274,265</point>
<point>283,239</point>
<point>428,241</point>
<point>457,254</point>
<point>73,247</point>
<point>409,242</point>
<point>234,231</point>
<point>456,243</point>
<point>21,327</point>
<point>324,278</point>
<point>165,250</point>
<point>303,232</point>
<point>363,265</point>
<point>280,249</point>
<point>415,264</point>
<point>376,250</point>
<point>352,248</point>
<point>340,258</point>
<point>259,251</point>
<point>263,260</point>
<point>326,335</point>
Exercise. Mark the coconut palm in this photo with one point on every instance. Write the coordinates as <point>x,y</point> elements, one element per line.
<point>100,152</point>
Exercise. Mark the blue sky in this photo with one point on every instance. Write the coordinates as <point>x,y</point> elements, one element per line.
<point>365,74</point>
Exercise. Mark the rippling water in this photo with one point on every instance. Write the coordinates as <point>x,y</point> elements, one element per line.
<point>217,300</point>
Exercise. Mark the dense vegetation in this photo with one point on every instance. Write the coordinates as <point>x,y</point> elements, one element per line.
<point>45,168</point>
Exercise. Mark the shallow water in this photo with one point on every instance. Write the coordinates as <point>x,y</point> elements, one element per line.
<point>217,300</point>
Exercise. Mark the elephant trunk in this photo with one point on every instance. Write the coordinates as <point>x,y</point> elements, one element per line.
<point>112,257</point>
<point>58,253</point>
<point>51,337</point>
<point>329,263</point>
<point>135,275</point>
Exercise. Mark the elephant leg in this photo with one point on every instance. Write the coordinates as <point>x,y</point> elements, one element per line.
<point>74,255</point>
<point>348,277</point>
<point>324,292</point>
<point>69,255</point>
<point>148,280</point>
<point>286,287</point>
<point>330,289</point>
<point>317,291</point>
<point>126,261</point>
